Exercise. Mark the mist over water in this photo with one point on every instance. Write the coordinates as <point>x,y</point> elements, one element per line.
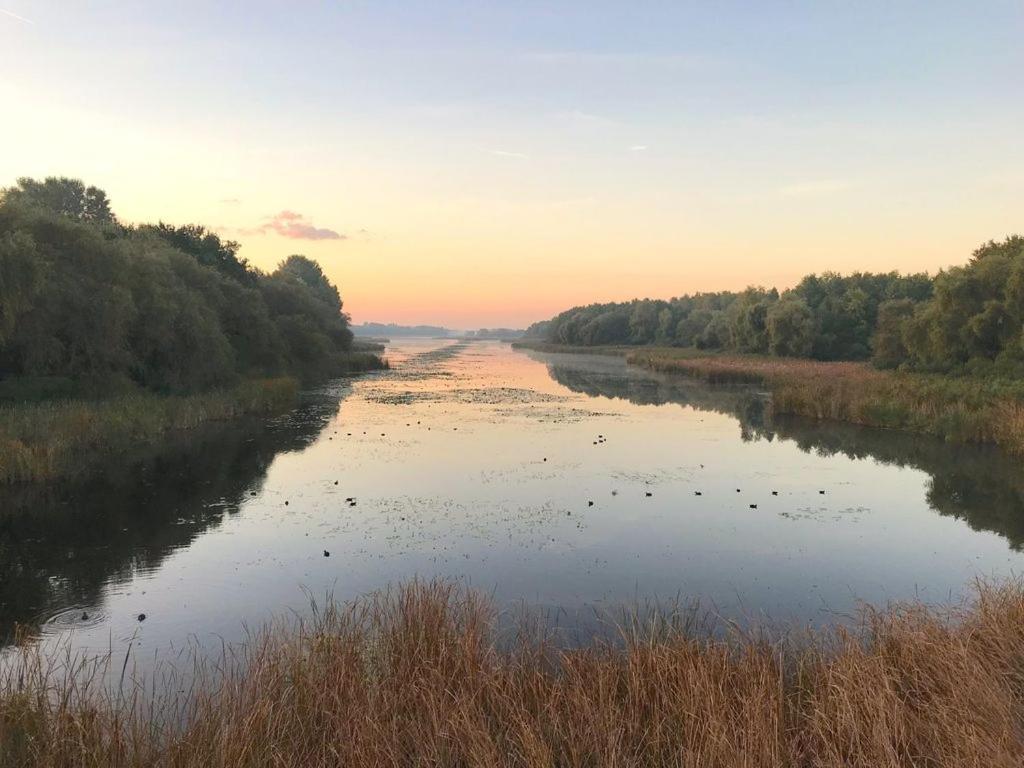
<point>568,482</point>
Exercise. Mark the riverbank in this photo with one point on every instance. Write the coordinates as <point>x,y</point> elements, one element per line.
<point>955,408</point>
<point>419,676</point>
<point>569,349</point>
<point>961,409</point>
<point>55,440</point>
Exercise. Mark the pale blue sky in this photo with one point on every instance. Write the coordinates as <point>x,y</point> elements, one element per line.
<point>490,163</point>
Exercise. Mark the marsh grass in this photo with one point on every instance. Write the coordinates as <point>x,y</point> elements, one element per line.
<point>52,440</point>
<point>962,409</point>
<point>418,676</point>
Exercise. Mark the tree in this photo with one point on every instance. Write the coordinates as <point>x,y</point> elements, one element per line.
<point>206,246</point>
<point>889,349</point>
<point>748,316</point>
<point>791,328</point>
<point>164,308</point>
<point>64,197</point>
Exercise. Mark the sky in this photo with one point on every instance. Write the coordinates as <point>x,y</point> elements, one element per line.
<point>483,164</point>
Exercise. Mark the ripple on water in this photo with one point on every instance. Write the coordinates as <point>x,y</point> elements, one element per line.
<point>73,617</point>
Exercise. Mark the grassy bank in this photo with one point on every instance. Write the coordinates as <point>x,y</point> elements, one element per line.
<point>963,409</point>
<point>415,677</point>
<point>53,440</point>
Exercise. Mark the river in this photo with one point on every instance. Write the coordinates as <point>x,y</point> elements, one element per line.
<point>571,483</point>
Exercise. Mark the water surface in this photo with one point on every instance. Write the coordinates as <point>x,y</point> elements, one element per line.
<point>566,481</point>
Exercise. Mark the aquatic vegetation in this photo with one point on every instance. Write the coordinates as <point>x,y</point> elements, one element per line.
<point>420,675</point>
<point>957,408</point>
<point>55,439</point>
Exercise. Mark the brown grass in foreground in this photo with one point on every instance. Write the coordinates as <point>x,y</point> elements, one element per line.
<point>962,409</point>
<point>415,677</point>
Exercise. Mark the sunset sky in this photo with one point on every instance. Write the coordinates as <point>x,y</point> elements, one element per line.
<point>486,164</point>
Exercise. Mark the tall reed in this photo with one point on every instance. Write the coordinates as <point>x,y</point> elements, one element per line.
<point>961,409</point>
<point>420,676</point>
<point>51,440</point>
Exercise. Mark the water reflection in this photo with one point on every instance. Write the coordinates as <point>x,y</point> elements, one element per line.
<point>980,485</point>
<point>61,545</point>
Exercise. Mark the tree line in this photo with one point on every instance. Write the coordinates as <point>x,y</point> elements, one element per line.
<point>90,303</point>
<point>968,319</point>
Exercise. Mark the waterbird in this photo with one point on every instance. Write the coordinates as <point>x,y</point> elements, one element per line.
<point>648,494</point>
<point>286,503</point>
<point>590,503</point>
<point>326,553</point>
<point>737,490</point>
<point>753,506</point>
<point>141,617</point>
<point>335,482</point>
<point>698,493</point>
<point>775,493</point>
<point>85,616</point>
<point>822,493</point>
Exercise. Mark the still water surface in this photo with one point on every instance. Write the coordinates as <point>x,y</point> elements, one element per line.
<point>477,462</point>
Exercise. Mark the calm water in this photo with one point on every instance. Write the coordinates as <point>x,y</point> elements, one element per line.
<point>478,462</point>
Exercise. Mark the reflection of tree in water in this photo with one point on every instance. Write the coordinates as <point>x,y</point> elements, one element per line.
<point>978,484</point>
<point>60,544</point>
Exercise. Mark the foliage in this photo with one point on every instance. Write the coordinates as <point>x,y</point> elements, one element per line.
<point>975,322</point>
<point>162,308</point>
<point>827,317</point>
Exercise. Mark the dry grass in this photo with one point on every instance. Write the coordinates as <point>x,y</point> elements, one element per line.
<point>962,409</point>
<point>416,677</point>
<point>46,441</point>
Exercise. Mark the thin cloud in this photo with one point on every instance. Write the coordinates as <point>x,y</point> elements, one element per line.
<point>295,226</point>
<point>16,16</point>
<point>638,148</point>
<point>814,188</point>
<point>230,201</point>
<point>506,153</point>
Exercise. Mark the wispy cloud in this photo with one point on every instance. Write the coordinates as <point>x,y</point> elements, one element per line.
<point>638,148</point>
<point>506,153</point>
<point>16,16</point>
<point>294,226</point>
<point>230,201</point>
<point>814,188</point>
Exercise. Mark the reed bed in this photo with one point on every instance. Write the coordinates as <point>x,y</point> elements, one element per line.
<point>418,676</point>
<point>52,440</point>
<point>961,409</point>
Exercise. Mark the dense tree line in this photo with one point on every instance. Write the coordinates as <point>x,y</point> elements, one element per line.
<point>95,303</point>
<point>967,318</point>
